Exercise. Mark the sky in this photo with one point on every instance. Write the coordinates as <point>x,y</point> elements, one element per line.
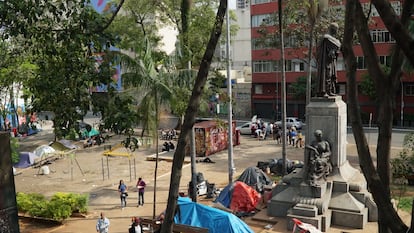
<point>232,4</point>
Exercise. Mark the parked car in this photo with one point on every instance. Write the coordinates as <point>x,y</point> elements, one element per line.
<point>245,129</point>
<point>291,121</point>
<point>249,128</point>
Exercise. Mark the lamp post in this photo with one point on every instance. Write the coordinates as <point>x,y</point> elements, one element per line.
<point>282,53</point>
<point>229,93</point>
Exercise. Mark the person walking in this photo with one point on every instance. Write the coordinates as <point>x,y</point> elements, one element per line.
<point>123,193</point>
<point>102,225</point>
<point>141,189</point>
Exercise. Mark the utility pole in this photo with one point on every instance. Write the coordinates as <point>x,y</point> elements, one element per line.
<point>282,53</point>
<point>229,93</point>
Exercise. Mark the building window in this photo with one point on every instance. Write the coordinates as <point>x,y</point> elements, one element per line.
<point>385,60</point>
<point>381,36</point>
<point>342,89</point>
<point>242,4</point>
<point>242,96</point>
<point>340,65</point>
<point>263,20</point>
<point>409,89</point>
<point>361,63</point>
<point>264,43</point>
<point>292,42</point>
<point>294,65</point>
<point>290,90</point>
<point>264,66</point>
<point>258,89</point>
<point>261,1</point>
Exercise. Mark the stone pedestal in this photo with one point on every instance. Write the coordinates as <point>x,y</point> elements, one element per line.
<point>342,199</point>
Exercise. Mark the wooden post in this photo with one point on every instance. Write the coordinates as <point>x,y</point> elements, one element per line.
<point>71,168</point>
<point>130,169</point>
<point>135,170</point>
<point>103,171</point>
<point>107,165</point>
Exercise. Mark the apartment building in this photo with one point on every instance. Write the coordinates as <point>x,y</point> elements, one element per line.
<point>266,73</point>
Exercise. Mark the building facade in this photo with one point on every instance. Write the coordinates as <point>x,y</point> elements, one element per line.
<point>266,71</point>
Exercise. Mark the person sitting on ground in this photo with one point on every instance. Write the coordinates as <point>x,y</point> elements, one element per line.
<point>165,146</point>
<point>171,145</point>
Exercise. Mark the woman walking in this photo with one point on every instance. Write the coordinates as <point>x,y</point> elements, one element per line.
<point>122,189</point>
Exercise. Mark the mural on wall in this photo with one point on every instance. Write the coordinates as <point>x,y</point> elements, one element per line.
<point>211,137</point>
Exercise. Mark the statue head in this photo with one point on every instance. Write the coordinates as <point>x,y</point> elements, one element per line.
<point>318,133</point>
<point>333,29</point>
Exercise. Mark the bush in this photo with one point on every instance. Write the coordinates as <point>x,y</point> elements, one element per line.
<point>14,146</point>
<point>405,204</point>
<point>60,207</point>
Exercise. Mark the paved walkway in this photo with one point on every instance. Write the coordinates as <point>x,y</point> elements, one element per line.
<point>103,196</point>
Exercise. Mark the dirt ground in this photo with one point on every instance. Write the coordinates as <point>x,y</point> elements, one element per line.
<point>87,171</point>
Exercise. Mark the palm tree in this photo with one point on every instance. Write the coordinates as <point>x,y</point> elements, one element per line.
<point>151,84</point>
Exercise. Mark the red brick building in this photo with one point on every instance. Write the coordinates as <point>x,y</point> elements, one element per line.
<point>266,75</point>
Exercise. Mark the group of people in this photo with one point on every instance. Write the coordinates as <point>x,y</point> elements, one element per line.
<point>261,129</point>
<point>102,225</point>
<point>123,192</point>
<point>167,146</point>
<point>295,137</point>
<point>168,134</point>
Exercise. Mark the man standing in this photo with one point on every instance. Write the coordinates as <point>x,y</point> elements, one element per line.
<point>141,189</point>
<point>102,226</point>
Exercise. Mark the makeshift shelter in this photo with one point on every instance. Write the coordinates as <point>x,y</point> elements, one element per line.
<point>239,197</point>
<point>68,144</point>
<point>43,150</point>
<point>217,221</point>
<point>26,160</point>
<point>256,178</point>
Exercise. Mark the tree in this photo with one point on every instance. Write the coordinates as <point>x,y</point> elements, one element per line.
<point>299,87</point>
<point>62,49</point>
<point>190,117</point>
<point>378,178</point>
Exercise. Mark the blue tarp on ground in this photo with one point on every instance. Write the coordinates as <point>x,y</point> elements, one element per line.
<point>26,160</point>
<point>217,221</point>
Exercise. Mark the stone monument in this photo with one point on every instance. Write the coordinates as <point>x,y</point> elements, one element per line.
<point>327,190</point>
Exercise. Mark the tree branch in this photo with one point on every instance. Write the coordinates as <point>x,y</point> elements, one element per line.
<point>115,13</point>
<point>396,27</point>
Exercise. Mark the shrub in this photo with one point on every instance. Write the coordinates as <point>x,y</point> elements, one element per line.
<point>14,146</point>
<point>405,204</point>
<point>59,207</point>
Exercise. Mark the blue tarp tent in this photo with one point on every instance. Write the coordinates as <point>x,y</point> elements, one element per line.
<point>217,221</point>
<point>26,160</point>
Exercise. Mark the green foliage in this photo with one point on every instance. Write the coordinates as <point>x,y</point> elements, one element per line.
<point>120,114</point>
<point>130,142</point>
<point>299,87</point>
<point>403,165</point>
<point>406,204</point>
<point>367,86</point>
<point>59,207</point>
<point>61,39</point>
<point>14,146</point>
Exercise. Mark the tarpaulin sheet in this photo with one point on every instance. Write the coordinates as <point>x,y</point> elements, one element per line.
<point>217,221</point>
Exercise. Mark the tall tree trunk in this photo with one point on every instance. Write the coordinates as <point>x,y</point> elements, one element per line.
<point>189,118</point>
<point>388,217</point>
